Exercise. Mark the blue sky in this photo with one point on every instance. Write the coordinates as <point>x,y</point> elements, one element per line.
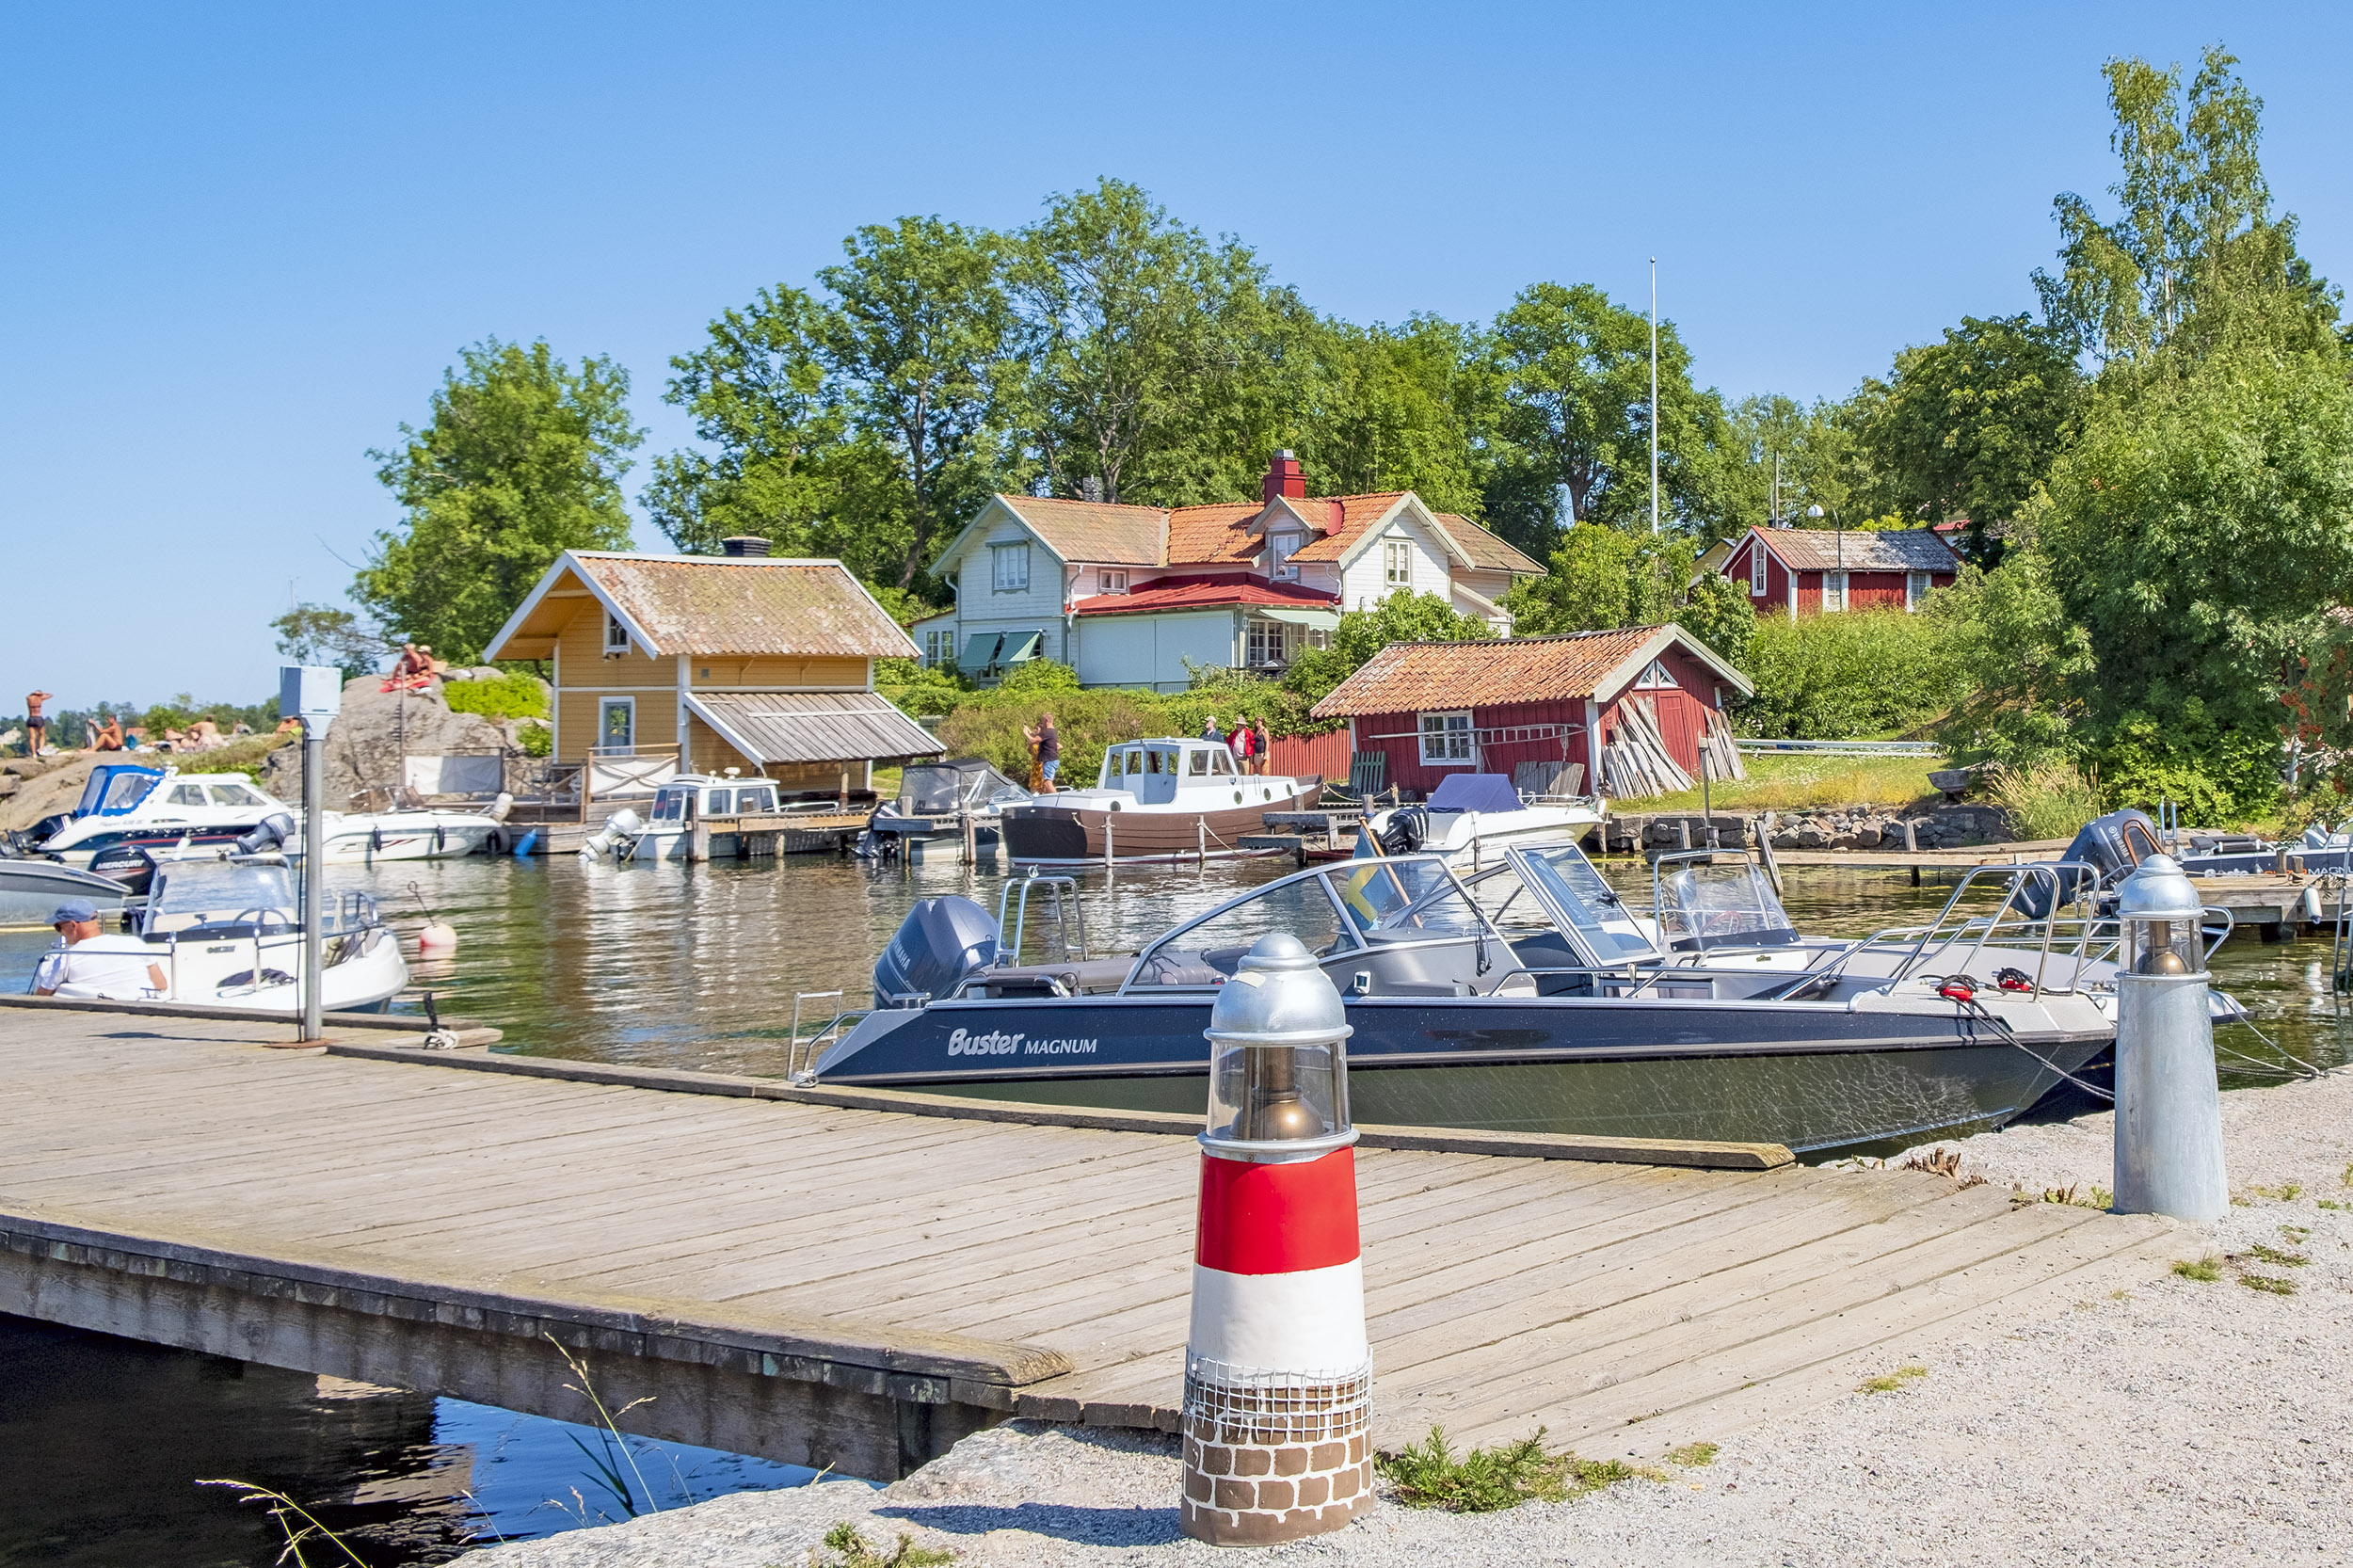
<point>243,242</point>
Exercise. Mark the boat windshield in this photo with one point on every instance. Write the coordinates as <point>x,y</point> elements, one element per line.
<point>1399,896</point>
<point>670,805</point>
<point>1575,893</point>
<point>201,892</point>
<point>1724,903</point>
<point>1356,911</point>
<point>114,790</point>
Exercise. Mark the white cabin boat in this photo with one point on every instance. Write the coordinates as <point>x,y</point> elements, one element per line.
<point>669,826</point>
<point>161,808</point>
<point>1469,819</point>
<point>1154,800</point>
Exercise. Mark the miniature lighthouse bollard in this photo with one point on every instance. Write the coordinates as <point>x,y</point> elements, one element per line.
<point>1277,1375</point>
<point>2168,1110</point>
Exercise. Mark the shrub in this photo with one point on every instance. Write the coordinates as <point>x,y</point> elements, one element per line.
<point>921,691</point>
<point>1839,677</point>
<point>508,697</point>
<point>2047,800</point>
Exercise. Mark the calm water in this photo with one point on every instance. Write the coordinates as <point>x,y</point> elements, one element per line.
<point>101,1441</point>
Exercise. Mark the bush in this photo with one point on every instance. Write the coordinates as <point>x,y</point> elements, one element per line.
<point>923,692</point>
<point>535,740</point>
<point>1842,677</point>
<point>2048,800</point>
<point>989,725</point>
<point>508,697</point>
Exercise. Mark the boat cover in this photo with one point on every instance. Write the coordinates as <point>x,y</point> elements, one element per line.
<point>1475,791</point>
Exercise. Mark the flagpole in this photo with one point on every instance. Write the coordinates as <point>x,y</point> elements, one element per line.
<point>1654,394</point>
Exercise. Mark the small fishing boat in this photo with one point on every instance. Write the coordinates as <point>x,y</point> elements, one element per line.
<point>31,888</point>
<point>1530,998</point>
<point>1154,800</point>
<point>934,800</point>
<point>162,809</point>
<point>224,929</point>
<point>668,826</point>
<point>1468,819</point>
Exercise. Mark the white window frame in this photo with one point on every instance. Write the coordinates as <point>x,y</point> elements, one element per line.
<point>1280,547</point>
<point>1658,677</point>
<point>1397,563</point>
<point>605,707</point>
<point>1007,562</point>
<point>1833,593</point>
<point>940,648</point>
<point>1111,580</point>
<point>1760,574</point>
<point>1456,746</point>
<point>615,634</point>
<point>1916,585</point>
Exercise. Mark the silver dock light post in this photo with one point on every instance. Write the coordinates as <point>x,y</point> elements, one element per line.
<point>1278,1379</point>
<point>2168,1110</point>
<point>314,695</point>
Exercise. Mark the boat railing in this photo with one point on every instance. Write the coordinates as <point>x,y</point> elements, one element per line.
<point>800,1055</point>
<point>1066,921</point>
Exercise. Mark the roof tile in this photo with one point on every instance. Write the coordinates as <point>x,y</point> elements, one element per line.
<point>747,605</point>
<point>1195,593</point>
<point>1094,530</point>
<point>1404,678</point>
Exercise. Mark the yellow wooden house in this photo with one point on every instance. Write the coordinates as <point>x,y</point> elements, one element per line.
<point>698,664</point>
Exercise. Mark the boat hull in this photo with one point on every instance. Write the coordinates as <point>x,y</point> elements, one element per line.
<point>1044,834</point>
<point>30,890</point>
<point>1815,1076</point>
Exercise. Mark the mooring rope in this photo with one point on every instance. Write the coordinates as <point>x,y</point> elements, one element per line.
<point>2010,1035</point>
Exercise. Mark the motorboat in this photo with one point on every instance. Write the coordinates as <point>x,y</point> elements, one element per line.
<point>32,888</point>
<point>223,928</point>
<point>667,830</point>
<point>1468,819</point>
<point>1154,800</point>
<point>933,801</point>
<point>1530,997</point>
<point>157,808</point>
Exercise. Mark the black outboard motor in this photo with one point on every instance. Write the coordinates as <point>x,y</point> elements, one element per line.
<point>941,943</point>
<point>1409,829</point>
<point>128,864</point>
<point>273,833</point>
<point>2111,845</point>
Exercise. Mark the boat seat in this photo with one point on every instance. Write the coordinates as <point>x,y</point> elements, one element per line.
<point>1077,977</point>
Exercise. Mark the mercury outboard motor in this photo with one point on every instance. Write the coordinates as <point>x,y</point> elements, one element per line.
<point>942,942</point>
<point>128,864</point>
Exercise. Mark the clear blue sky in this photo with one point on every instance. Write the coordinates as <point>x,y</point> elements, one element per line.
<point>243,242</point>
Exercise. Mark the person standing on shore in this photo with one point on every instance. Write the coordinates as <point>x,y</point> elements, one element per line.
<point>1048,751</point>
<point>1257,752</point>
<point>36,726</point>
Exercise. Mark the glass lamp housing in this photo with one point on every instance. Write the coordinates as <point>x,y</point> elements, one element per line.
<point>2158,914</point>
<point>1278,1066</point>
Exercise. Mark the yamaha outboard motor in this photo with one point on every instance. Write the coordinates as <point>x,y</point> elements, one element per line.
<point>2110,845</point>
<point>273,833</point>
<point>941,943</point>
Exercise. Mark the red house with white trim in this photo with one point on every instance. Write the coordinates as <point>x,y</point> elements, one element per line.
<point>1438,709</point>
<point>1805,571</point>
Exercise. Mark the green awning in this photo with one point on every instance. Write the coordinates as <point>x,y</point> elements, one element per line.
<point>987,650</point>
<point>980,650</point>
<point>1020,648</point>
<point>1328,620</point>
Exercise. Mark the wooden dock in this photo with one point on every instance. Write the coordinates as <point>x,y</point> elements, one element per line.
<point>803,1276</point>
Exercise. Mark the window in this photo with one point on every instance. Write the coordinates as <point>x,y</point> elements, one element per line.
<point>1757,570</point>
<point>1109,581</point>
<point>1445,740</point>
<point>1397,563</point>
<point>940,648</point>
<point>1916,588</point>
<point>1279,550</point>
<point>615,634</point>
<point>1656,676</point>
<point>617,724</point>
<point>1009,567</point>
<point>1834,591</point>
<point>186,794</point>
<point>1274,644</point>
<point>235,794</point>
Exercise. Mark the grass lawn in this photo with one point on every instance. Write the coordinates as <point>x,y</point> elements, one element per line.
<point>1802,781</point>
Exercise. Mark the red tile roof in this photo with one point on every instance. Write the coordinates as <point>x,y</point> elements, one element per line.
<point>1405,677</point>
<point>1200,593</point>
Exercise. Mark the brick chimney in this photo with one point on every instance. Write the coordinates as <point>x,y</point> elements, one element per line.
<point>1283,478</point>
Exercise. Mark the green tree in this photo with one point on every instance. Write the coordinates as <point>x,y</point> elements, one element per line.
<point>1403,616</point>
<point>1602,578</point>
<point>1395,408</point>
<point>1574,376</point>
<point>2194,258</point>
<point>1718,612</point>
<point>519,460</point>
<point>321,635</point>
<point>1819,462</point>
<point>1967,428</point>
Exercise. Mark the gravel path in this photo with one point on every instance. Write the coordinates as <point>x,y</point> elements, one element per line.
<point>2179,1421</point>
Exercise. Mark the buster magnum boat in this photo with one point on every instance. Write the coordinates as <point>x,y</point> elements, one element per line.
<point>1531,999</point>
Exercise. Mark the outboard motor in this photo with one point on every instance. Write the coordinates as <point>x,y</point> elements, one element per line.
<point>2110,845</point>
<point>620,829</point>
<point>128,864</point>
<point>942,942</point>
<point>499,808</point>
<point>273,832</point>
<point>1409,829</point>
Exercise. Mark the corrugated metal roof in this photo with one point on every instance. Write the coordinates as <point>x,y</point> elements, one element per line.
<point>699,604</point>
<point>1197,593</point>
<point>1488,550</point>
<point>1405,677</point>
<point>1093,531</point>
<point>1860,550</point>
<point>813,727</point>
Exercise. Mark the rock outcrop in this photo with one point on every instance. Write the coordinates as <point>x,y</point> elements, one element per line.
<point>375,730</point>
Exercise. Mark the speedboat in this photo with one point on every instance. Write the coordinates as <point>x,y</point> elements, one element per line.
<point>1468,817</point>
<point>1154,800</point>
<point>1528,999</point>
<point>224,929</point>
<point>934,800</point>
<point>162,809</point>
<point>32,888</point>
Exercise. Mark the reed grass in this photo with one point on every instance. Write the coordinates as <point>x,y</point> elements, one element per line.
<point>298,1523</point>
<point>2048,800</point>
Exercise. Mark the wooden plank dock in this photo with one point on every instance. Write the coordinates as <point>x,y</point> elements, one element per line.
<point>831,1283</point>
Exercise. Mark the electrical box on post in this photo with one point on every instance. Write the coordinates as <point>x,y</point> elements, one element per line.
<point>311,693</point>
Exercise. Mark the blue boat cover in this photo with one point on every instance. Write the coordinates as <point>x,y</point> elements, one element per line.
<point>1475,791</point>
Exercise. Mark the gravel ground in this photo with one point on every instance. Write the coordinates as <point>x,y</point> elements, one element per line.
<point>2178,1421</point>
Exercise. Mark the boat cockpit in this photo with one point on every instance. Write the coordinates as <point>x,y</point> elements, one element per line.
<point>685,799</point>
<point>1154,771</point>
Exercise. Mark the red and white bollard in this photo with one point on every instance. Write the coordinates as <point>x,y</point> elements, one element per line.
<point>1278,1377</point>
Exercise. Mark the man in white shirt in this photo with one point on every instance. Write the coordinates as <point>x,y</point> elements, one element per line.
<point>110,972</point>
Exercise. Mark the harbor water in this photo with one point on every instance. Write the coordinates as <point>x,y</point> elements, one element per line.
<point>697,967</point>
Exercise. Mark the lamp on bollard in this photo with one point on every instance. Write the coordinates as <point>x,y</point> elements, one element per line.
<point>1277,1374</point>
<point>2169,1107</point>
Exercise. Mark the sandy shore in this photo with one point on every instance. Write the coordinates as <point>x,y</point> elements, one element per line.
<point>2177,1421</point>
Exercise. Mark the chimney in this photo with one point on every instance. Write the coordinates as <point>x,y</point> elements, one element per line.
<point>745,544</point>
<point>1283,478</point>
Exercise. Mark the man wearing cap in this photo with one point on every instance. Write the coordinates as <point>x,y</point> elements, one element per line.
<point>102,971</point>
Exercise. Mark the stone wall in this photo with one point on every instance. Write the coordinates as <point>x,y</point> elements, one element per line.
<point>1856,827</point>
